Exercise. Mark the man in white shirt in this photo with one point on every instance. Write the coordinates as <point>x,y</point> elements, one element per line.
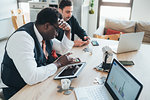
<point>24,60</point>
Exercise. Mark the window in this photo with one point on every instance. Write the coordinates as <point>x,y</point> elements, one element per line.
<point>121,1</point>
<point>117,9</point>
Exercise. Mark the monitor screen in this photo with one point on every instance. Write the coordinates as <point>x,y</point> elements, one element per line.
<point>122,83</point>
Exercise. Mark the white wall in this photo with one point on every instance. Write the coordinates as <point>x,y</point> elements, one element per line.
<point>77,9</point>
<point>92,20</point>
<point>140,10</point>
<point>6,26</point>
<point>84,16</point>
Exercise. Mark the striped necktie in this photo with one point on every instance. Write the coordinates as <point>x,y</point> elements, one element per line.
<point>44,49</point>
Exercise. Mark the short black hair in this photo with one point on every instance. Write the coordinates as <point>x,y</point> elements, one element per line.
<point>64,3</point>
<point>49,15</point>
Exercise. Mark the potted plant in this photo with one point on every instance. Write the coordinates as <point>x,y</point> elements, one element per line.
<point>91,11</point>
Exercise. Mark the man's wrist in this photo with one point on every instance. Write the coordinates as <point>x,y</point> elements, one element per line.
<point>58,64</point>
<point>67,33</point>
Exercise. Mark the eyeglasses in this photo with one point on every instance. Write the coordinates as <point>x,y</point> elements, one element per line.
<point>55,27</point>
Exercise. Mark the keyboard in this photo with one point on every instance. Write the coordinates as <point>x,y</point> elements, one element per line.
<point>96,92</point>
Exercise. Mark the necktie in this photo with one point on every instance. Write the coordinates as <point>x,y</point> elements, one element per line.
<point>54,54</point>
<point>44,49</point>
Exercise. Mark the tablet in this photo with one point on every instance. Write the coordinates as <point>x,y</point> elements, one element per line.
<point>70,71</point>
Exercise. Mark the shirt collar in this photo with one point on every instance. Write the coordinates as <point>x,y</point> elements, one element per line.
<point>38,35</point>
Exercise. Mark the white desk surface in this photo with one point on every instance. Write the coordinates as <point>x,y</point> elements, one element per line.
<point>47,90</point>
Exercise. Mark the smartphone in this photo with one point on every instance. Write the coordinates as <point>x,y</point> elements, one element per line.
<point>127,63</point>
<point>94,43</point>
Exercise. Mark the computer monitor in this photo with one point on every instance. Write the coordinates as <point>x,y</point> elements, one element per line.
<point>121,84</point>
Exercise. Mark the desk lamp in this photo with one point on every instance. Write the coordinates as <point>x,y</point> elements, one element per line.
<point>107,57</point>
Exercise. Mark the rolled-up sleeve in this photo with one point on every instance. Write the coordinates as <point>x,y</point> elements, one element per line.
<point>64,46</point>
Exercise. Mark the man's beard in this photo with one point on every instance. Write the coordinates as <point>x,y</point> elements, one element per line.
<point>67,18</point>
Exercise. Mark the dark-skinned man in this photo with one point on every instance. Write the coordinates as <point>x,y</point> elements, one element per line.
<point>30,52</point>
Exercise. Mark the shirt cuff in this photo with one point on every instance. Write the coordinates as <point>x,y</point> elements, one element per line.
<point>67,43</point>
<point>51,69</point>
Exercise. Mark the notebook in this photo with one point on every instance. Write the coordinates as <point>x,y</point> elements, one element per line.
<point>128,42</point>
<point>119,85</point>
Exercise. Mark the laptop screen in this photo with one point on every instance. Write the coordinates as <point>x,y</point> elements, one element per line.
<point>121,84</point>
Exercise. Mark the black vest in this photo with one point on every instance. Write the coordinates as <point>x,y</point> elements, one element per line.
<point>10,75</point>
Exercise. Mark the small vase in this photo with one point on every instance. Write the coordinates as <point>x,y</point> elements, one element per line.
<point>91,11</point>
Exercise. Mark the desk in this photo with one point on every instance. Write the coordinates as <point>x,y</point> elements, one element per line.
<point>47,90</point>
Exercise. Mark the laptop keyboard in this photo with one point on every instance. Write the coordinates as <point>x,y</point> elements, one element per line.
<point>96,93</point>
<point>90,93</point>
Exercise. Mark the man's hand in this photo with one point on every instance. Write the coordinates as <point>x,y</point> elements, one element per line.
<point>65,60</point>
<point>79,42</point>
<point>87,39</point>
<point>65,26</point>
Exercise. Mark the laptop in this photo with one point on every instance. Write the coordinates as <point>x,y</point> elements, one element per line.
<point>128,42</point>
<point>119,85</point>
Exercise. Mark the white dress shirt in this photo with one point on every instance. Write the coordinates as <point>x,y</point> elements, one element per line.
<point>20,49</point>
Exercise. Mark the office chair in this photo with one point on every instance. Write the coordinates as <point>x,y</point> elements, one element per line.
<point>17,18</point>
